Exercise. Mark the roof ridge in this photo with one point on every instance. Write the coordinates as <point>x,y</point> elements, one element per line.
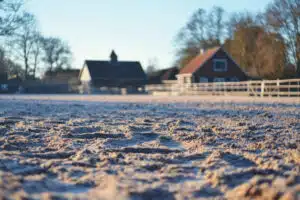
<point>110,61</point>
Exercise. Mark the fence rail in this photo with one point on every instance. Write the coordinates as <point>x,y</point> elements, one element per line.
<point>287,87</point>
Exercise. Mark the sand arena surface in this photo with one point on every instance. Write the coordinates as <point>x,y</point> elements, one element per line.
<point>64,147</point>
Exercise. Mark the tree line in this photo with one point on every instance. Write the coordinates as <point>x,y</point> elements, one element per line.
<point>24,51</point>
<point>264,44</point>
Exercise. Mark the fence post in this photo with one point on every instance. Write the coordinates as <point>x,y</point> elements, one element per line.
<point>262,88</point>
<point>298,88</point>
<point>278,87</point>
<point>289,88</point>
<point>248,87</point>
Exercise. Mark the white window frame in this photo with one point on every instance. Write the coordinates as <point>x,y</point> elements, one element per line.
<point>202,78</point>
<point>186,79</point>
<point>220,70</point>
<point>216,80</point>
<point>4,87</point>
<point>234,79</point>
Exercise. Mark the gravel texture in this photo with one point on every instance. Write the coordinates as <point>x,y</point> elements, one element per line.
<point>206,149</point>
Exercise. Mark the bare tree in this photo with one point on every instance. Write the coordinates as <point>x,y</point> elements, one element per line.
<point>271,55</point>
<point>10,16</point>
<point>8,67</point>
<point>284,17</point>
<point>194,30</point>
<point>216,24</point>
<point>57,53</point>
<point>152,66</point>
<point>186,53</point>
<point>14,69</point>
<point>3,66</point>
<point>240,20</point>
<point>260,52</point>
<point>203,30</point>
<point>23,41</point>
<point>242,47</point>
<point>36,52</point>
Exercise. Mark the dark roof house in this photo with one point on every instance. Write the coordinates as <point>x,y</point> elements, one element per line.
<point>3,82</point>
<point>14,83</point>
<point>113,73</point>
<point>213,65</point>
<point>158,77</point>
<point>59,81</point>
<point>3,78</point>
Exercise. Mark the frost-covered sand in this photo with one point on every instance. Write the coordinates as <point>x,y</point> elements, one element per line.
<point>92,147</point>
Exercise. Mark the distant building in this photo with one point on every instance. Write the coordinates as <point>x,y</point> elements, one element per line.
<point>14,84</point>
<point>3,77</point>
<point>112,76</point>
<point>163,75</point>
<point>61,76</point>
<point>61,81</point>
<point>213,65</point>
<point>58,81</point>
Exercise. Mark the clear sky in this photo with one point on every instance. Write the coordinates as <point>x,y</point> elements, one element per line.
<point>135,29</point>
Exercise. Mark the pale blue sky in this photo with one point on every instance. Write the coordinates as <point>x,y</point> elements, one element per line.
<point>136,29</point>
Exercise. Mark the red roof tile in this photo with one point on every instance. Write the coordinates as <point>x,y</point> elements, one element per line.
<point>198,61</point>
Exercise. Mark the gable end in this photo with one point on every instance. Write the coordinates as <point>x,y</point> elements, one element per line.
<point>85,75</point>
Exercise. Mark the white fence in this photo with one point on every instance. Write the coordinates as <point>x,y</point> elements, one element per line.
<point>287,87</point>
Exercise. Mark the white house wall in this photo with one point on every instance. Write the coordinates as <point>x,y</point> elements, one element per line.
<point>85,75</point>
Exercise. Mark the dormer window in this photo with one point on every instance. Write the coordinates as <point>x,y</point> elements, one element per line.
<point>220,65</point>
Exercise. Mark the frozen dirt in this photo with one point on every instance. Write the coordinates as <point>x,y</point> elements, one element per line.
<point>89,147</point>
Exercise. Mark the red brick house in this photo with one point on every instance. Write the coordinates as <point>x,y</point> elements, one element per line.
<point>213,65</point>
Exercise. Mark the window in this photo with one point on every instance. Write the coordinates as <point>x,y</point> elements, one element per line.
<point>234,79</point>
<point>4,87</point>
<point>186,79</point>
<point>203,79</point>
<point>219,79</point>
<point>220,65</point>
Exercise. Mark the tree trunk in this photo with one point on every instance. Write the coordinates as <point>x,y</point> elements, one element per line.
<point>35,65</point>
<point>26,68</point>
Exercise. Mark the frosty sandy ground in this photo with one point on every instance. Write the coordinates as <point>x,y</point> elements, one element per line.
<point>156,99</point>
<point>143,147</point>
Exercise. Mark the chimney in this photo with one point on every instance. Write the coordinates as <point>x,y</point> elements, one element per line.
<point>113,57</point>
